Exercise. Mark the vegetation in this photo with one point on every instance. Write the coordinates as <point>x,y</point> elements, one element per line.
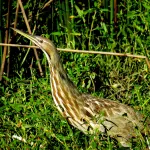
<point>27,108</point>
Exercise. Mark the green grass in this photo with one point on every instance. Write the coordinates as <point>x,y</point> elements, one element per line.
<point>26,105</point>
<point>27,108</point>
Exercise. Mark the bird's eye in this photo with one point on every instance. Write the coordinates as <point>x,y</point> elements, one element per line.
<point>41,41</point>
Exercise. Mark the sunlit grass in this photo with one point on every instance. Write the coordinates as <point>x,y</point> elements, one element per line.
<point>27,108</point>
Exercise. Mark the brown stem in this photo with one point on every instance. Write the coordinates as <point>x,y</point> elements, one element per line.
<point>85,51</point>
<point>29,30</point>
<point>6,41</point>
<point>16,16</point>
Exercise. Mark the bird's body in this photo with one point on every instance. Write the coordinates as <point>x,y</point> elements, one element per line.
<point>92,114</point>
<point>87,113</point>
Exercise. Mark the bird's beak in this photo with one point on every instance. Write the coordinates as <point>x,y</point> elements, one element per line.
<point>28,36</point>
<point>35,40</point>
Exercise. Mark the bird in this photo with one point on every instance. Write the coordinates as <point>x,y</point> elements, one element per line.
<point>85,112</point>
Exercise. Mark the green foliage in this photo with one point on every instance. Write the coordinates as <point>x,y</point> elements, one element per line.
<point>28,111</point>
<point>27,108</point>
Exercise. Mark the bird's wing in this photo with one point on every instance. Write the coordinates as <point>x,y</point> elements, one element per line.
<point>111,113</point>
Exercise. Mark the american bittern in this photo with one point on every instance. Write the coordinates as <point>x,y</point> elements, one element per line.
<point>85,112</point>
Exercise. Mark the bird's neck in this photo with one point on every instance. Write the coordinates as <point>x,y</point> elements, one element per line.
<point>63,91</point>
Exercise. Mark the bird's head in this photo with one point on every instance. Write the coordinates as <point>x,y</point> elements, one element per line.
<point>44,44</point>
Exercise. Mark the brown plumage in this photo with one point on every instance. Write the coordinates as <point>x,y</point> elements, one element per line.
<point>85,112</point>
